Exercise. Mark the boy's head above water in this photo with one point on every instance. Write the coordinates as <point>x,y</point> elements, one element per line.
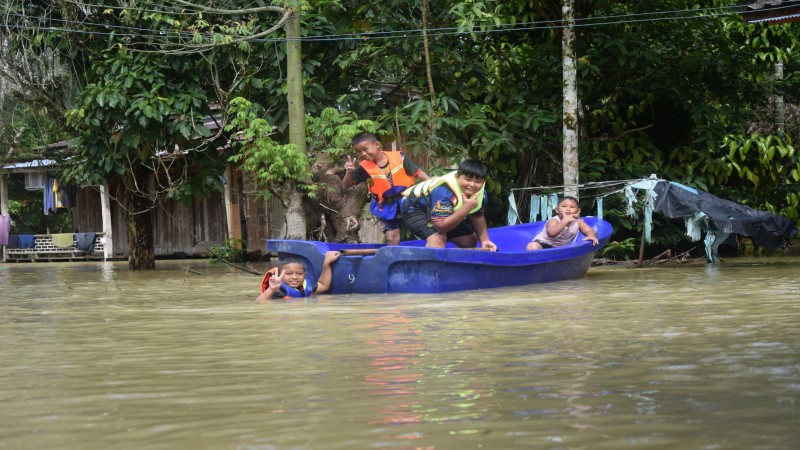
<point>292,271</point>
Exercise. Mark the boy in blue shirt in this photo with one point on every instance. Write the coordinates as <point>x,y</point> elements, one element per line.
<point>449,208</point>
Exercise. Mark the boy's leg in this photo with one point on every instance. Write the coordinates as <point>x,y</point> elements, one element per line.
<point>466,241</point>
<point>391,229</point>
<point>420,224</point>
<point>436,240</point>
<point>533,245</point>
<point>463,235</point>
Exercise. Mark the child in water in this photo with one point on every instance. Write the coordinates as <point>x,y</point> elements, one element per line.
<point>562,229</point>
<point>288,279</point>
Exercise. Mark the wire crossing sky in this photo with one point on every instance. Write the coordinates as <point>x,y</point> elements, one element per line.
<point>15,21</point>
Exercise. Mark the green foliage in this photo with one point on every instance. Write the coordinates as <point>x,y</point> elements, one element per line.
<point>271,162</point>
<point>333,130</point>
<point>678,98</point>
<point>770,166</point>
<point>231,250</point>
<point>620,250</point>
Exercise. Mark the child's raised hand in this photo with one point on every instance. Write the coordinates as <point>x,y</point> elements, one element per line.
<point>349,164</point>
<point>275,280</point>
<point>469,203</point>
<point>567,219</point>
<point>331,256</point>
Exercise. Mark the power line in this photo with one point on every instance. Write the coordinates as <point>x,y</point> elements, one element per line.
<point>392,34</point>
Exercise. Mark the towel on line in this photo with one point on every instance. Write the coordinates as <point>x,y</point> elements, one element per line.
<point>25,241</point>
<point>63,240</point>
<point>85,241</point>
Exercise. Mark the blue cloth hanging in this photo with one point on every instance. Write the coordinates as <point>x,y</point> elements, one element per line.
<point>545,211</point>
<point>26,241</point>
<point>85,241</point>
<point>600,208</point>
<point>48,199</point>
<point>535,207</point>
<point>513,216</point>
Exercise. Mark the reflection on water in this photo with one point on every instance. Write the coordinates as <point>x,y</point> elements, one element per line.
<point>694,356</point>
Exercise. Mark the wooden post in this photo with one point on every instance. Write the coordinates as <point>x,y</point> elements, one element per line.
<point>3,204</point>
<point>228,204</point>
<point>108,233</point>
<point>641,250</point>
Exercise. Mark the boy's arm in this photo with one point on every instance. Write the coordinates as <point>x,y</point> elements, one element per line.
<point>324,282</point>
<point>554,226</point>
<point>588,232</point>
<point>443,224</point>
<point>265,296</point>
<point>349,170</point>
<point>421,175</point>
<point>272,286</point>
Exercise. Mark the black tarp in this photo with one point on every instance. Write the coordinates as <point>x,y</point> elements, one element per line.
<point>767,230</point>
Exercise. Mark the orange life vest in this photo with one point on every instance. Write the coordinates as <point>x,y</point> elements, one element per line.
<point>380,181</point>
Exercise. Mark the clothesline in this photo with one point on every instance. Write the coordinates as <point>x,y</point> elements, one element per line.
<point>591,185</point>
<point>542,206</point>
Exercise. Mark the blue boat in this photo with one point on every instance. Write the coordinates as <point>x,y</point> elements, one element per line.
<point>411,267</point>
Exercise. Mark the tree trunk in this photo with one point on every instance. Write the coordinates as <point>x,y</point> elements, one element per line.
<point>295,215</point>
<point>340,207</point>
<point>780,108</point>
<point>570,105</point>
<point>140,221</point>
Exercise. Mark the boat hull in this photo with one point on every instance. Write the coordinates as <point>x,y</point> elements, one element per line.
<point>411,267</point>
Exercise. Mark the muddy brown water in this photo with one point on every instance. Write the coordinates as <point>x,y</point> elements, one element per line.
<point>668,357</point>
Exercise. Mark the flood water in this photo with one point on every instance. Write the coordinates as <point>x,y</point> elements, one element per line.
<point>666,357</point>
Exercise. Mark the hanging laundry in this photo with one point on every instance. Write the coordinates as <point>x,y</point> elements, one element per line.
<point>600,208</point>
<point>5,227</point>
<point>26,241</point>
<point>63,240</point>
<point>545,212</point>
<point>535,208</point>
<point>85,241</point>
<point>13,241</point>
<point>513,216</point>
<point>48,198</point>
<point>67,195</point>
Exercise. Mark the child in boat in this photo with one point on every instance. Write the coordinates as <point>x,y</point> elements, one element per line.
<point>387,174</point>
<point>288,279</point>
<point>449,208</point>
<point>562,228</point>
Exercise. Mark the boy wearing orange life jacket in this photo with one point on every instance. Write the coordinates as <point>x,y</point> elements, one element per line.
<point>387,175</point>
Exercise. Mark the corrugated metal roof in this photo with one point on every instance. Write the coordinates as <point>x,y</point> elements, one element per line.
<point>35,164</point>
<point>792,17</point>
